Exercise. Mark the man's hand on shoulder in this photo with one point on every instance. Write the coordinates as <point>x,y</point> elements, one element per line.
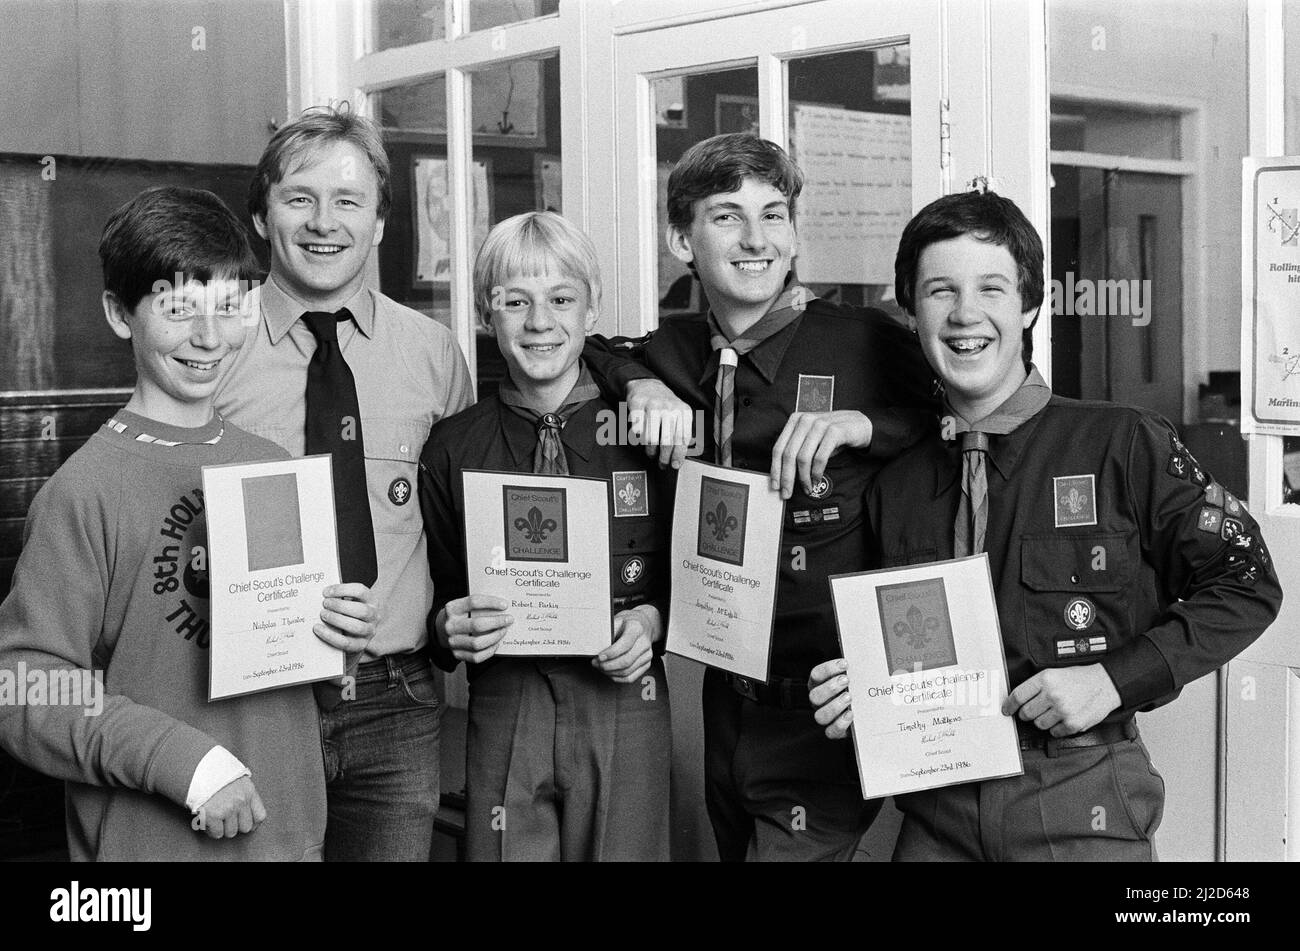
<point>1064,700</point>
<point>659,420</point>
<point>807,443</point>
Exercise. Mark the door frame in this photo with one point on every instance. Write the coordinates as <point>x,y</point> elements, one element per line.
<point>1259,779</point>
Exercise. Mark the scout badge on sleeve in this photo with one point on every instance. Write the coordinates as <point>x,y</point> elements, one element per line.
<point>1076,500</point>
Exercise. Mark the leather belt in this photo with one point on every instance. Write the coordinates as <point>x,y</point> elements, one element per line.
<point>780,692</point>
<point>1032,738</point>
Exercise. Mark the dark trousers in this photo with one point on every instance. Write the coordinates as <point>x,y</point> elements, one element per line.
<point>1098,803</point>
<point>563,764</point>
<point>381,763</point>
<point>776,788</point>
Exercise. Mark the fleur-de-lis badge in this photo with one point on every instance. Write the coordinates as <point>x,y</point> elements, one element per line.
<point>1075,501</point>
<point>917,628</point>
<point>629,494</point>
<point>721,523</point>
<point>536,528</point>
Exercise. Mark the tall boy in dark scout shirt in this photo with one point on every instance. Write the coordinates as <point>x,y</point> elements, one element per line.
<point>1122,571</point>
<point>809,379</point>
<point>568,758</point>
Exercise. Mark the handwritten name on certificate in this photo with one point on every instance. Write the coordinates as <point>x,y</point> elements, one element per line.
<point>725,546</point>
<point>927,676</point>
<point>272,551</point>
<point>541,543</point>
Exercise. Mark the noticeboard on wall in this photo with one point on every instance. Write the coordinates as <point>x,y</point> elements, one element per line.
<point>1270,284</point>
<point>857,195</point>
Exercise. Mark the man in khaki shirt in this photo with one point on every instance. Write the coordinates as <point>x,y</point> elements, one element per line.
<point>320,198</point>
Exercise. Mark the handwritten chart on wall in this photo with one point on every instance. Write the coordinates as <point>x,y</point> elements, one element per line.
<point>857,194</point>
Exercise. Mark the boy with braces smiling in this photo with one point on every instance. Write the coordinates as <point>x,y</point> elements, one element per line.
<point>1121,570</point>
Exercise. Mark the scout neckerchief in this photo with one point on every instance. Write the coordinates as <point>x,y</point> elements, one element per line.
<point>792,302</point>
<point>973,509</point>
<point>548,457</point>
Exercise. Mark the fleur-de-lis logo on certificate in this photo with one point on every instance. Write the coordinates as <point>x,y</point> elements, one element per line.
<point>1075,501</point>
<point>721,523</point>
<point>534,526</point>
<point>917,628</point>
<point>629,494</point>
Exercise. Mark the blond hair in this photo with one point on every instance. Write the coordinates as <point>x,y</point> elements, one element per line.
<point>533,244</point>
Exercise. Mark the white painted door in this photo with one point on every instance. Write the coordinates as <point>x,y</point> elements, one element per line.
<point>1260,690</point>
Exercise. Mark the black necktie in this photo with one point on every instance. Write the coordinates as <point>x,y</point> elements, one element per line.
<point>334,426</point>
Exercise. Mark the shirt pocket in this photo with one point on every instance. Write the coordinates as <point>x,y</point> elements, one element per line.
<point>392,449</point>
<point>1074,589</point>
<point>638,551</point>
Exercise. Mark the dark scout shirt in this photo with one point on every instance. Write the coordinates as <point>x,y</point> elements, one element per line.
<point>829,358</point>
<point>489,436</point>
<point>1107,543</point>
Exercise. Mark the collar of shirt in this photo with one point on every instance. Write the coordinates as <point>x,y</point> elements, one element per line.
<point>1004,451</point>
<point>766,357</point>
<point>578,435</point>
<point>282,311</point>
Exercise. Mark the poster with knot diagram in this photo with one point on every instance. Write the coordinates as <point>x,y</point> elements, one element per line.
<point>1271,294</point>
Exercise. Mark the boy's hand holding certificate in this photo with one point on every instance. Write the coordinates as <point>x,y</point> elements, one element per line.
<point>541,544</point>
<point>927,676</point>
<point>272,551</point>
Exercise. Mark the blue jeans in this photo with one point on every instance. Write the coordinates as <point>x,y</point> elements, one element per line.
<point>381,763</point>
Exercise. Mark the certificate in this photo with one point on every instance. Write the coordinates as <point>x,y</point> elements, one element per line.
<point>927,676</point>
<point>541,543</point>
<point>272,551</point>
<point>726,541</point>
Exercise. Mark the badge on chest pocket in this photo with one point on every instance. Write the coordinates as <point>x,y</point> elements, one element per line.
<point>631,494</point>
<point>816,394</point>
<point>1076,500</point>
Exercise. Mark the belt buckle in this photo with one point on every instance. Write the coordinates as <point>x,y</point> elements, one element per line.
<point>745,687</point>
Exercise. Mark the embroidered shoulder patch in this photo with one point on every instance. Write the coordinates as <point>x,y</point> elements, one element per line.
<point>1210,520</point>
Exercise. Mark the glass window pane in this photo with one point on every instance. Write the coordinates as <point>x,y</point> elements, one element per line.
<point>485,14</point>
<point>403,22</point>
<point>689,109</point>
<point>1115,130</point>
<point>515,161</point>
<point>851,133</point>
<point>415,256</point>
